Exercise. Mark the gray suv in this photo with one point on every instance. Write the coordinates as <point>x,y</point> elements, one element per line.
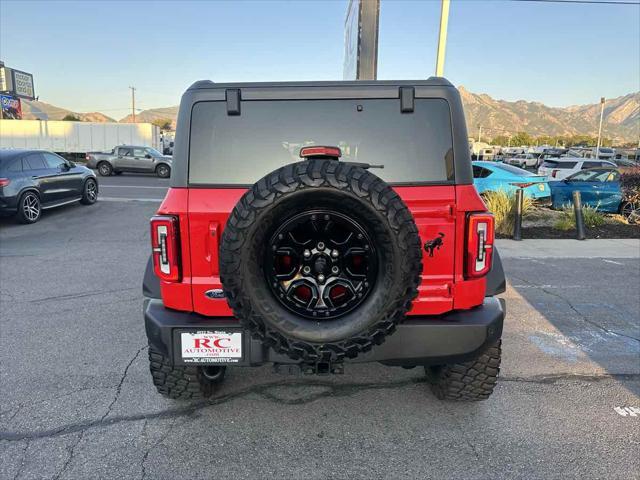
<point>130,158</point>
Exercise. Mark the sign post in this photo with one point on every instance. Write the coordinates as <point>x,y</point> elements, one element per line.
<point>442,38</point>
<point>361,40</point>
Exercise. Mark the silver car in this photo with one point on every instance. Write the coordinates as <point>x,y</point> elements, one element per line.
<point>130,158</point>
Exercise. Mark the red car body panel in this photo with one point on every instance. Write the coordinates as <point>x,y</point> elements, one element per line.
<point>439,211</point>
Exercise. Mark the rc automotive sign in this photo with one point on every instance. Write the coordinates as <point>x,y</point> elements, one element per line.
<point>211,347</point>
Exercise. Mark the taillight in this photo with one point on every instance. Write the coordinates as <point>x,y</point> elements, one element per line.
<point>553,173</point>
<point>87,157</point>
<point>4,182</point>
<point>165,248</point>
<point>480,234</point>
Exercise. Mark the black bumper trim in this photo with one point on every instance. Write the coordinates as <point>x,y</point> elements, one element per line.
<point>454,337</point>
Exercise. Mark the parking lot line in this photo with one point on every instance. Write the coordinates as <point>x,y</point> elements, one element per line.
<point>131,186</point>
<point>127,199</point>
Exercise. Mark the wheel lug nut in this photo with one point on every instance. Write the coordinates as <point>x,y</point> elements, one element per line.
<point>306,270</point>
<point>320,246</point>
<point>326,217</point>
<point>280,236</point>
<point>306,254</point>
<point>321,278</point>
<point>334,253</point>
<point>335,270</point>
<point>360,236</point>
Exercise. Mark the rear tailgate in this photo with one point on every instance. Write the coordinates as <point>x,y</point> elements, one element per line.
<point>228,153</point>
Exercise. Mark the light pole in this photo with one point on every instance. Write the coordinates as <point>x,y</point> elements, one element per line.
<point>133,103</point>
<point>442,38</point>
<point>479,132</point>
<point>600,127</point>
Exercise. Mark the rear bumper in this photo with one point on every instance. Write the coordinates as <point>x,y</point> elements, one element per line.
<point>454,337</point>
<point>8,204</point>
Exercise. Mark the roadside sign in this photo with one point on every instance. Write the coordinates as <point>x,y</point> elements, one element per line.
<point>11,107</point>
<point>16,83</point>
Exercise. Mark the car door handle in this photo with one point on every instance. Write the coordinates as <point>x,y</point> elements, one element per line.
<point>34,176</point>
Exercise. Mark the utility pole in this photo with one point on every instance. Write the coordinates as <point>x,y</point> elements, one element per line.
<point>600,127</point>
<point>442,38</point>
<point>479,132</point>
<point>133,103</point>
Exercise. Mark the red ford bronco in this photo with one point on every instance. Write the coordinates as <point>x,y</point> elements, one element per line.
<point>313,225</point>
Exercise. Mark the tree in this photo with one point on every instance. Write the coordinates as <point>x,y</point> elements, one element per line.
<point>163,123</point>
<point>70,117</point>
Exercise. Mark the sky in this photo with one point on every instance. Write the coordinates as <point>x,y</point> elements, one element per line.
<point>85,55</point>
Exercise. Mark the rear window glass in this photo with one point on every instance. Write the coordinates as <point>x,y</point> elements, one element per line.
<point>239,150</point>
<point>559,165</point>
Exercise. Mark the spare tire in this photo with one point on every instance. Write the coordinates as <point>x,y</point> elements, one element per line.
<point>320,260</point>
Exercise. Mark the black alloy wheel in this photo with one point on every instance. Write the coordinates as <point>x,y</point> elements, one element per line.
<point>321,264</point>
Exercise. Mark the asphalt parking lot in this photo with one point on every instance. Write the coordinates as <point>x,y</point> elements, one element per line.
<point>77,399</point>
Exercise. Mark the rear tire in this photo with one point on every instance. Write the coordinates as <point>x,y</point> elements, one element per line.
<point>105,169</point>
<point>29,208</point>
<point>163,171</point>
<point>184,383</point>
<point>467,381</point>
<point>89,192</point>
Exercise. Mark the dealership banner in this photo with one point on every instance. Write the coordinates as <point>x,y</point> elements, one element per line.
<point>11,107</point>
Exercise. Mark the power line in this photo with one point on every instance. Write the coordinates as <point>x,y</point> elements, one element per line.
<point>581,2</point>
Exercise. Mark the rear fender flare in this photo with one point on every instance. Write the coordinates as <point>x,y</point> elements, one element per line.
<point>151,283</point>
<point>496,281</point>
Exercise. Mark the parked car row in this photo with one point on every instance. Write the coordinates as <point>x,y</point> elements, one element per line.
<point>557,180</point>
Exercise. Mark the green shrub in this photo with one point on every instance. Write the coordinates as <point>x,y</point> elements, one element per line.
<point>567,221</point>
<point>503,207</point>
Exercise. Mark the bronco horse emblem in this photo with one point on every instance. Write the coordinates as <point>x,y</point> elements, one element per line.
<point>434,244</point>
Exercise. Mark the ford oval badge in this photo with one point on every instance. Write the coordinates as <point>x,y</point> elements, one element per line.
<point>215,293</point>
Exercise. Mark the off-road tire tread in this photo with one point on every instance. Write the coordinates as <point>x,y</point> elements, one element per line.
<point>467,381</point>
<point>183,383</point>
<point>350,179</point>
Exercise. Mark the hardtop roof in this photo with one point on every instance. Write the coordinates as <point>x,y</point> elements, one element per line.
<point>429,82</point>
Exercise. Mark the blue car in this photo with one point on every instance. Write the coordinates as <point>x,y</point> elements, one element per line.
<point>493,177</point>
<point>598,187</point>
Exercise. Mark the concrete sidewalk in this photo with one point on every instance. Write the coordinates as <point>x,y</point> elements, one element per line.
<point>554,248</point>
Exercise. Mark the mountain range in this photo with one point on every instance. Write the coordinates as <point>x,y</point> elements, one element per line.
<point>497,117</point>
